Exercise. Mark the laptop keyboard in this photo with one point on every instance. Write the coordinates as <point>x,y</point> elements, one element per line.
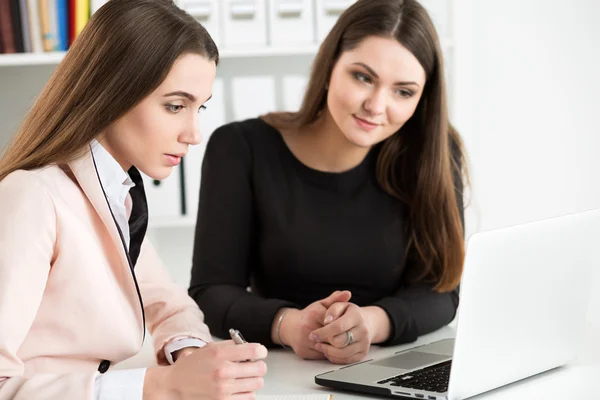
<point>433,379</point>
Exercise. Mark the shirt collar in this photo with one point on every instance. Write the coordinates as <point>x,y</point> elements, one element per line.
<point>114,179</point>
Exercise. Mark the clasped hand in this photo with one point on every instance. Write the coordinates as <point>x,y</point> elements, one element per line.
<point>331,328</point>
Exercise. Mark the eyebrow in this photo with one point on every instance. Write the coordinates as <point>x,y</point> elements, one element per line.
<point>370,70</point>
<point>187,95</point>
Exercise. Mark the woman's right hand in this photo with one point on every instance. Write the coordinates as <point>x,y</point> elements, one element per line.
<point>217,371</point>
<point>297,325</point>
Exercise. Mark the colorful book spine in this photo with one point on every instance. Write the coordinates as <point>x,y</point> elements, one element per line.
<point>35,30</point>
<point>25,26</point>
<point>63,24</point>
<point>6,26</point>
<point>82,15</point>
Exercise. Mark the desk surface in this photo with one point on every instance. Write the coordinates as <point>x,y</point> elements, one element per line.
<point>289,375</point>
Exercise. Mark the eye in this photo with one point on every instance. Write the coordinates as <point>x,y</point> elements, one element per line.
<point>174,108</point>
<point>202,108</point>
<point>362,77</point>
<point>404,93</point>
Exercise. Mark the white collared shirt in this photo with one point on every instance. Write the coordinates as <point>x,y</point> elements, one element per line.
<point>125,384</point>
<point>116,183</point>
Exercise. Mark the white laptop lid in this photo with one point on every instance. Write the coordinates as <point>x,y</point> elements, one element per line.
<point>523,300</point>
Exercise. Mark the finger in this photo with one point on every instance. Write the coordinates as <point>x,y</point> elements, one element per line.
<point>245,385</point>
<point>340,341</point>
<point>346,353</point>
<point>243,396</point>
<point>335,311</point>
<point>239,352</point>
<point>312,354</point>
<point>350,360</point>
<point>359,332</point>
<point>251,369</point>
<point>335,297</point>
<point>337,327</point>
<point>220,343</point>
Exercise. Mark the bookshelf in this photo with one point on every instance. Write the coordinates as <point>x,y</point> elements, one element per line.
<point>54,58</point>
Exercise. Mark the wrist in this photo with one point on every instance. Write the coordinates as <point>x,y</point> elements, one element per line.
<point>277,330</point>
<point>378,323</point>
<point>284,327</point>
<point>156,384</point>
<point>183,352</point>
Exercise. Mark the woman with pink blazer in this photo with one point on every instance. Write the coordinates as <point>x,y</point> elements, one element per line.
<point>78,282</point>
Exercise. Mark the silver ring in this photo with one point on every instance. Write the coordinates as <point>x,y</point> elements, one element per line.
<point>349,338</point>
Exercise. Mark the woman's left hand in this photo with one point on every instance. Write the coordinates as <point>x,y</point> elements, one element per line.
<point>346,337</point>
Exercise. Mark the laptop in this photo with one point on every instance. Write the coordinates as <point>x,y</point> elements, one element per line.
<point>523,303</point>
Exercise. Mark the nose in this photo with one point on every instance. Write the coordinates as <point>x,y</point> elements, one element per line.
<point>192,135</point>
<point>376,102</point>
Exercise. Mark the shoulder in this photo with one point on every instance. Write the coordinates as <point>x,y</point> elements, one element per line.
<point>250,133</point>
<point>30,182</point>
<point>28,194</point>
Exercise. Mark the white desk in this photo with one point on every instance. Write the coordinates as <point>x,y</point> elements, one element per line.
<point>287,374</point>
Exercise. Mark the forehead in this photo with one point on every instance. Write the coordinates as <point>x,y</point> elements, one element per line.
<point>191,73</point>
<point>387,57</point>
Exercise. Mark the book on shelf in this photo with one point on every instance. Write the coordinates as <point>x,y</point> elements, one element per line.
<point>35,26</point>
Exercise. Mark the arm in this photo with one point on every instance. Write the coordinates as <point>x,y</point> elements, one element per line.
<point>225,241</point>
<point>27,240</point>
<point>414,311</point>
<point>170,313</point>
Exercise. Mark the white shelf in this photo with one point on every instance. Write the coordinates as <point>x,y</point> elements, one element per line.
<point>21,59</point>
<point>53,58</point>
<point>172,222</point>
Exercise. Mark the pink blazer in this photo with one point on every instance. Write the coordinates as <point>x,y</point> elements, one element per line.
<point>67,295</point>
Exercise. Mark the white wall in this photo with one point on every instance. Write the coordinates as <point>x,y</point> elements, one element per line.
<point>526,102</point>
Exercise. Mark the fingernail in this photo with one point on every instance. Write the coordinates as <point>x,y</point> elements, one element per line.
<point>319,347</point>
<point>313,337</point>
<point>328,319</point>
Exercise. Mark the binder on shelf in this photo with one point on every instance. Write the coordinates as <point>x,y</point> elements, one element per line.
<point>328,12</point>
<point>291,22</point>
<point>252,96</point>
<point>294,87</point>
<point>208,13</point>
<point>244,23</point>
<point>212,118</point>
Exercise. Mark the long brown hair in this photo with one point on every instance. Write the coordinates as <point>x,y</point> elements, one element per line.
<point>123,54</point>
<point>421,163</point>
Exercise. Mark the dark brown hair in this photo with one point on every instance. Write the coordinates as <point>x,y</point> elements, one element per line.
<point>123,54</point>
<point>421,163</point>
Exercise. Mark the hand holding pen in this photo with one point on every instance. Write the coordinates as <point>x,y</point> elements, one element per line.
<point>214,371</point>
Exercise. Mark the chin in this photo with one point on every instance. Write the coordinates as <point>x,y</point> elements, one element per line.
<point>360,139</point>
<point>159,173</point>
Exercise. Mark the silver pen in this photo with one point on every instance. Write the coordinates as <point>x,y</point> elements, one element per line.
<point>236,336</point>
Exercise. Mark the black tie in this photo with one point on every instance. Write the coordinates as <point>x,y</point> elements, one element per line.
<point>138,220</point>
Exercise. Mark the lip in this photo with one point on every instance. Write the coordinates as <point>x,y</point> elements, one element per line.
<point>174,159</point>
<point>364,124</point>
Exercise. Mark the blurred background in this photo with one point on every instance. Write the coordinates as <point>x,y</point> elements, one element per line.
<point>522,77</point>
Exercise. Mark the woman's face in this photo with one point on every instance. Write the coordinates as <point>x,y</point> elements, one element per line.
<point>374,89</point>
<point>156,133</point>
